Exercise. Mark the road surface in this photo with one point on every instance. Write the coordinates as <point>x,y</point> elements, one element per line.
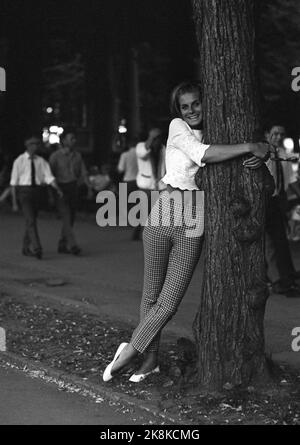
<point>30,401</point>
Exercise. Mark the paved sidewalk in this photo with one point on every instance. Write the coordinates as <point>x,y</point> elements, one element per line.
<point>29,400</point>
<point>108,279</point>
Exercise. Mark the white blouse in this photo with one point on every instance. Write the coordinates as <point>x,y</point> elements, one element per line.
<point>184,154</point>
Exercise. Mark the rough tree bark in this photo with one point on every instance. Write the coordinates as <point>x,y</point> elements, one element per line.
<point>229,324</point>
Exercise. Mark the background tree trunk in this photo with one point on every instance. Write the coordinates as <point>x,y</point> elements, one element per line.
<point>229,325</point>
<point>135,112</point>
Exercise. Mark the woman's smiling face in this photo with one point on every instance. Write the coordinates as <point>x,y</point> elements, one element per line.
<point>191,109</point>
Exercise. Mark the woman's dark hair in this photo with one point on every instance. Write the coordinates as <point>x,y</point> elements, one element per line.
<point>179,90</point>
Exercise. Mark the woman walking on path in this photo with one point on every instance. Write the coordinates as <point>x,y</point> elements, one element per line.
<point>172,249</point>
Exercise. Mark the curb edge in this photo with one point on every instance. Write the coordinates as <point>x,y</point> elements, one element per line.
<point>85,388</point>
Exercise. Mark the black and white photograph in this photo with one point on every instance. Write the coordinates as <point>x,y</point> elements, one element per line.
<point>149,216</point>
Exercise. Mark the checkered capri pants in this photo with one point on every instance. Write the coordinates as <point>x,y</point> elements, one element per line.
<point>171,253</point>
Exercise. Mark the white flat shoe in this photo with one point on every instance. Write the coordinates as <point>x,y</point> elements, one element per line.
<point>137,378</point>
<point>107,376</point>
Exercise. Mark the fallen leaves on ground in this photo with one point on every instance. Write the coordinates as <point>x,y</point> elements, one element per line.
<point>83,344</point>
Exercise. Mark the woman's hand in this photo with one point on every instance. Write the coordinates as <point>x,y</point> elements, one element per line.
<point>253,162</point>
<point>261,150</point>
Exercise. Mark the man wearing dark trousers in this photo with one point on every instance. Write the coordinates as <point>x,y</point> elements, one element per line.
<point>280,267</point>
<point>69,169</point>
<point>29,173</point>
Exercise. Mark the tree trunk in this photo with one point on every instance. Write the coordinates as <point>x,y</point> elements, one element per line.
<point>229,324</point>
<point>98,95</point>
<point>23,98</point>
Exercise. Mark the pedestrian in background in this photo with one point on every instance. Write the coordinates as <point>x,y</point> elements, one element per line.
<point>294,205</point>
<point>128,168</point>
<point>151,168</point>
<point>29,173</point>
<point>280,267</point>
<point>69,170</point>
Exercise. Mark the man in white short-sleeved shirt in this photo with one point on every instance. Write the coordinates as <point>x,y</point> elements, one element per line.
<point>29,173</point>
<point>147,177</point>
<point>128,167</point>
<point>151,167</point>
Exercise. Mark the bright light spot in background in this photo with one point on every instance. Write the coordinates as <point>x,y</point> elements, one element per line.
<point>288,145</point>
<point>45,135</point>
<point>53,138</point>
<point>52,134</point>
<point>122,129</point>
<point>49,110</point>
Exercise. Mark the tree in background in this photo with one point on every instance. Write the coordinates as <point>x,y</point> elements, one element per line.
<point>64,84</point>
<point>154,87</point>
<point>279,52</point>
<point>229,324</point>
